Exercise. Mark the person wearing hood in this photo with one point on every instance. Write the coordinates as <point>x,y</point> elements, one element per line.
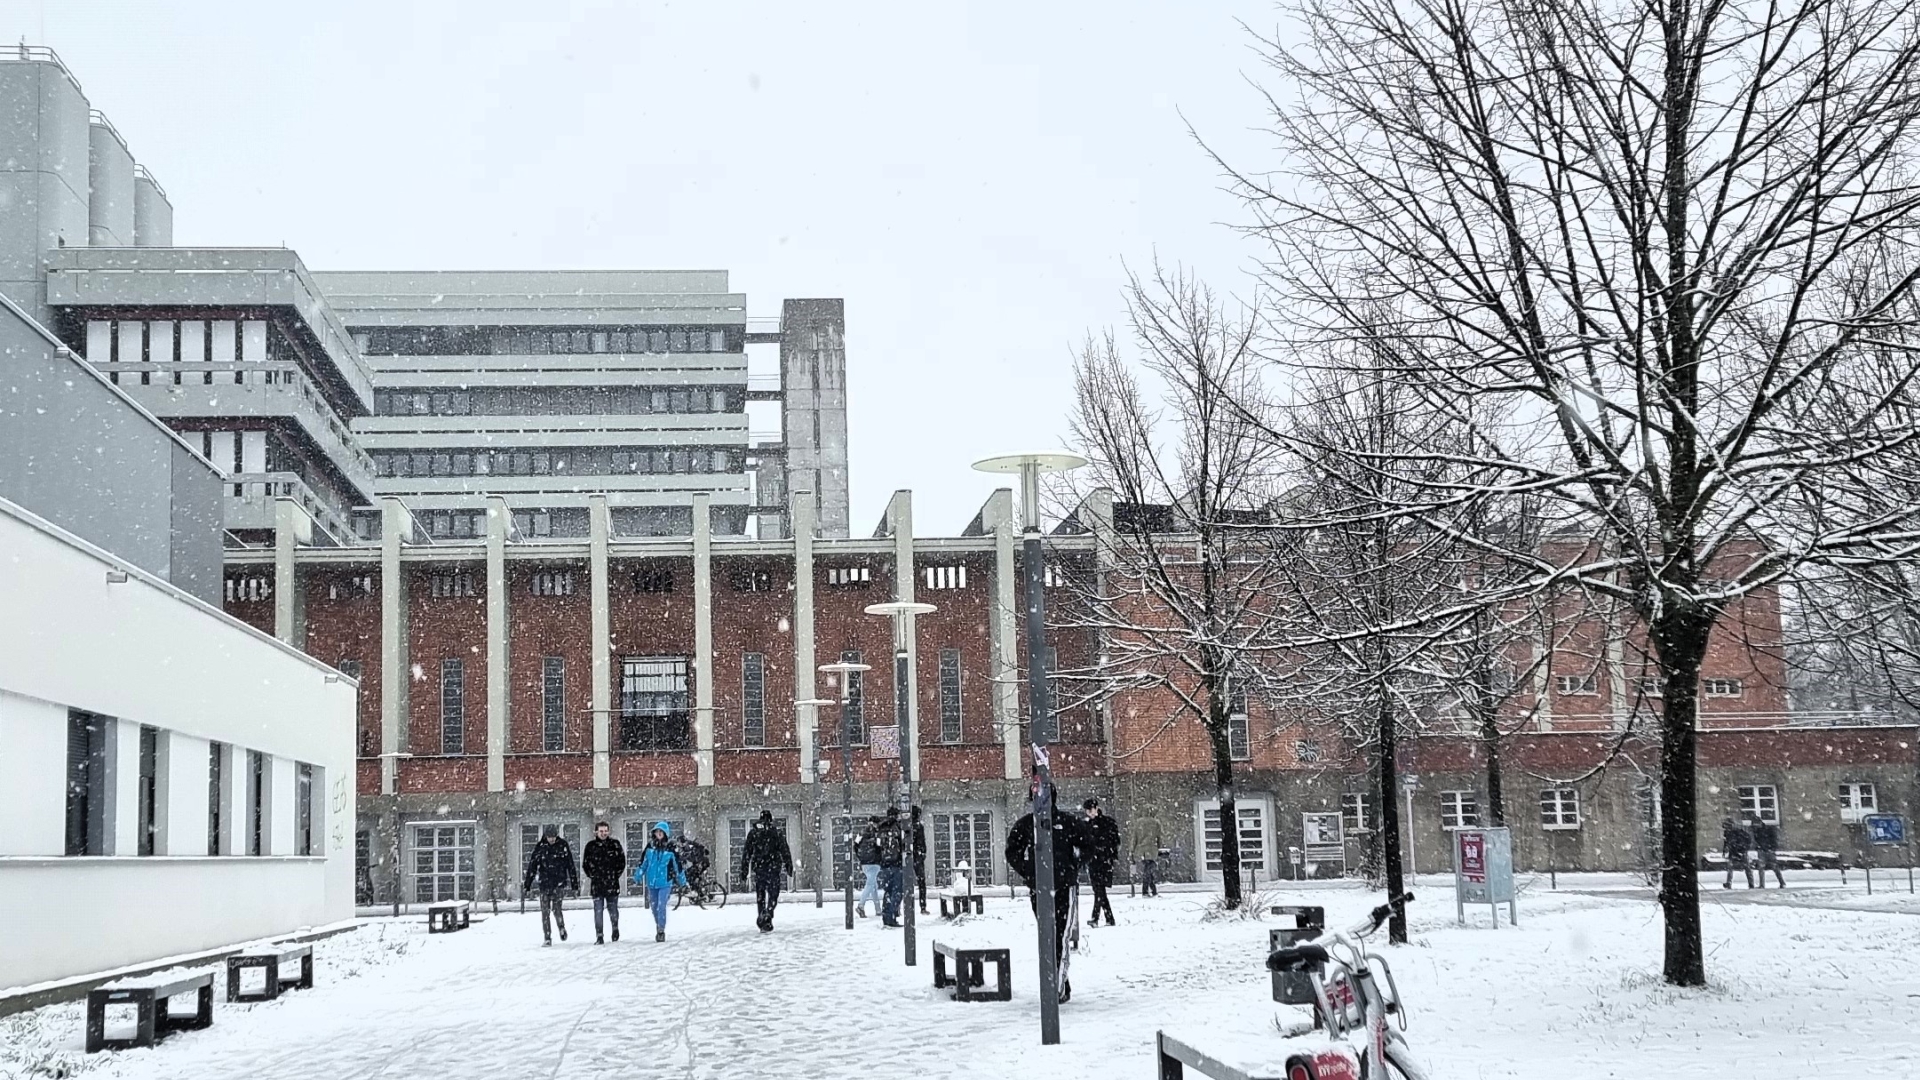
<point>550,863</point>
<point>1070,845</point>
<point>767,858</point>
<point>1103,835</point>
<point>659,871</point>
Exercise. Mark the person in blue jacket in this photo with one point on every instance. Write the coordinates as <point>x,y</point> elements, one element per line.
<point>659,871</point>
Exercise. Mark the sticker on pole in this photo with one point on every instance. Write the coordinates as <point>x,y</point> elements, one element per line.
<point>1885,828</point>
<point>883,743</point>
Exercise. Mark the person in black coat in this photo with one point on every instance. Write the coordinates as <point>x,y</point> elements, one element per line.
<point>1735,842</point>
<point>920,858</point>
<point>1766,850</point>
<point>1103,850</point>
<point>767,858</point>
<point>893,844</point>
<point>605,863</point>
<point>1069,851</point>
<point>551,865</point>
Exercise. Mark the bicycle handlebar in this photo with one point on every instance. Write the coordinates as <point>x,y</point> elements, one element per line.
<point>1371,924</point>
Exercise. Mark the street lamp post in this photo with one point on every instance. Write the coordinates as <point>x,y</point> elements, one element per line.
<point>844,672</point>
<point>821,767</point>
<point>1039,708</point>
<point>900,611</point>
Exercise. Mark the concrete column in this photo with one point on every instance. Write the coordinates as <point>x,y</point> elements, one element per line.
<point>395,676</point>
<point>497,521</point>
<point>291,528</point>
<point>1003,643</point>
<point>703,639</point>
<point>805,717</point>
<point>900,514</point>
<point>599,527</point>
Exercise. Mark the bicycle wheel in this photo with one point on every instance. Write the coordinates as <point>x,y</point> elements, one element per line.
<point>717,895</point>
<point>1400,1065</point>
<point>679,896</point>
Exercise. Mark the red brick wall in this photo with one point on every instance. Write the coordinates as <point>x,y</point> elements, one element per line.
<point>539,627</point>
<point>446,628</point>
<point>343,624</point>
<point>647,624</point>
<point>257,613</point>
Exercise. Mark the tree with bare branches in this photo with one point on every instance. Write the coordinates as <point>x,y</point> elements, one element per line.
<point>1669,245</point>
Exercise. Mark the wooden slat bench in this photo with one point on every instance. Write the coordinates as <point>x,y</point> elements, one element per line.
<point>449,915</point>
<point>269,959</point>
<point>969,966</point>
<point>148,994</point>
<point>953,904</point>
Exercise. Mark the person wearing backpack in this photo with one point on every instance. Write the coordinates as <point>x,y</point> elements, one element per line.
<point>892,841</point>
<point>767,858</point>
<point>866,852</point>
<point>659,871</point>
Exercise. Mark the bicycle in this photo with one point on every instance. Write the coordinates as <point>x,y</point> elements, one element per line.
<point>1350,997</point>
<point>700,891</point>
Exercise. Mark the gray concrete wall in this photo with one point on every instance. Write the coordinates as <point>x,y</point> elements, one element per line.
<point>110,207</point>
<point>75,451</point>
<point>43,175</point>
<point>152,214</point>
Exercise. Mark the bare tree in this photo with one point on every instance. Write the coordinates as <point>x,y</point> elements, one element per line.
<point>1671,242</point>
<point>1184,605</point>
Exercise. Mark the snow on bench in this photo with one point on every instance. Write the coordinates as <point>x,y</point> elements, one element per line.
<point>954,904</point>
<point>969,967</point>
<point>269,959</point>
<point>148,994</point>
<point>1249,1056</point>
<point>447,916</point>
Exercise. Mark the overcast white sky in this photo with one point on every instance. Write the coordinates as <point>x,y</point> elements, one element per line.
<point>970,177</point>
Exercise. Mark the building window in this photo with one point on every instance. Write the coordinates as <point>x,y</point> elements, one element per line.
<point>257,803</point>
<point>443,862</point>
<point>453,707</point>
<point>945,577</point>
<point>1354,819</point>
<point>1760,802</point>
<point>963,838</point>
<point>655,709</point>
<point>854,712</point>
<point>653,579</point>
<point>1857,801</point>
<point>1253,837</point>
<point>149,789</point>
<point>1580,685</point>
<point>1053,576</point>
<point>950,731</point>
<point>1653,686</point>
<point>357,585</point>
<point>553,704</point>
<point>303,809</point>
<point>753,699</point>
<point>1459,810</point>
<point>1722,687</point>
<point>87,782</point>
<point>216,798</point>
<point>553,583</point>
<point>849,577</point>
<point>1239,737</point>
<point>1559,808</point>
<point>254,588</point>
<point>450,584</point>
<point>750,579</point>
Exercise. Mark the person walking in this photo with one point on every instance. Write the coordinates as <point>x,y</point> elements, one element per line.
<point>766,857</point>
<point>604,862</point>
<point>1143,849</point>
<point>1736,840</point>
<point>893,843</point>
<point>920,858</point>
<point>1069,847</point>
<point>866,851</point>
<point>551,866</point>
<point>1766,851</point>
<point>659,871</point>
<point>1103,850</point>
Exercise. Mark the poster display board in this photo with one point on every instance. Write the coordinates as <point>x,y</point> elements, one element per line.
<point>1483,872</point>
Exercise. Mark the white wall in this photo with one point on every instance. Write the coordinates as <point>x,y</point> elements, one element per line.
<point>33,764</point>
<point>143,652</point>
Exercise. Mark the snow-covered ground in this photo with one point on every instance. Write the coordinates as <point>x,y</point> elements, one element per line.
<point>1572,993</point>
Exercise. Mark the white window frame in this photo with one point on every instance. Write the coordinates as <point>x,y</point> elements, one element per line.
<point>1244,805</point>
<point>1459,809</point>
<point>1239,736</point>
<point>1760,802</point>
<point>1723,688</point>
<point>1857,800</point>
<point>1587,685</point>
<point>1560,809</point>
<point>1355,816</point>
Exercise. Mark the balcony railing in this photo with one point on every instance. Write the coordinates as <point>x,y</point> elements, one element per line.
<point>251,498</point>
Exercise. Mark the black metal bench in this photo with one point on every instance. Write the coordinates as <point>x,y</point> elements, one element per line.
<point>148,995</point>
<point>1175,1057</point>
<point>449,915</point>
<point>969,966</point>
<point>269,959</point>
<point>953,905</point>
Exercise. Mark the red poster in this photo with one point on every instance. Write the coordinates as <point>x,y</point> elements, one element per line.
<point>1473,857</point>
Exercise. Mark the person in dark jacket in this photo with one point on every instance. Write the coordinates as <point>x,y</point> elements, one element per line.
<point>604,862</point>
<point>1103,850</point>
<point>920,858</point>
<point>893,843</point>
<point>1069,848</point>
<point>1766,850</point>
<point>1735,842</point>
<point>866,852</point>
<point>551,865</point>
<point>767,858</point>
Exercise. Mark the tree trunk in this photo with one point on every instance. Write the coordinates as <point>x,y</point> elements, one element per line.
<point>1680,643</point>
<point>1229,814</point>
<point>1496,797</point>
<point>1390,846</point>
